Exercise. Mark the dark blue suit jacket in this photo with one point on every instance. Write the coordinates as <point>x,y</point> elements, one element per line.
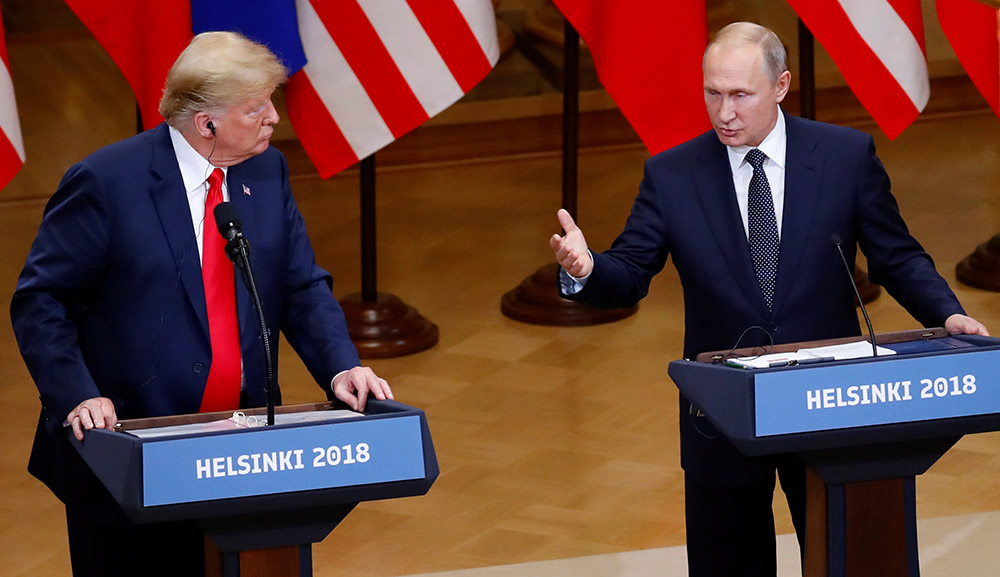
<point>111,301</point>
<point>687,209</point>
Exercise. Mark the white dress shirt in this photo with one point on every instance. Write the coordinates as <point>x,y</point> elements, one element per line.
<point>195,170</point>
<point>773,146</point>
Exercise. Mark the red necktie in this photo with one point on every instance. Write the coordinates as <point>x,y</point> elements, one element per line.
<point>222,392</point>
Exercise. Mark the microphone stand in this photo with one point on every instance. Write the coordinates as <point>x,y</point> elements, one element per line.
<point>861,304</point>
<point>238,249</point>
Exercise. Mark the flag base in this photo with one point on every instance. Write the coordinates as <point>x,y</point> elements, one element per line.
<point>981,269</point>
<point>386,327</point>
<point>536,301</point>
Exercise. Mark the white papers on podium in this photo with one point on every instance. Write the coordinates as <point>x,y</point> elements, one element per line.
<point>855,350</point>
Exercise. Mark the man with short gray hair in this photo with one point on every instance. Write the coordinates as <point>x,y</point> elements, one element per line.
<point>746,211</point>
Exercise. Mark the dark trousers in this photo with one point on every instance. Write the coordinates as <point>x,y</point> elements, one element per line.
<point>98,548</point>
<point>730,530</point>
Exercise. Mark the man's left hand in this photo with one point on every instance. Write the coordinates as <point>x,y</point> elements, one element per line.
<point>963,325</point>
<point>354,386</point>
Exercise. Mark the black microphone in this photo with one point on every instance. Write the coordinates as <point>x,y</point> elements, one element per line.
<point>227,219</point>
<point>850,274</point>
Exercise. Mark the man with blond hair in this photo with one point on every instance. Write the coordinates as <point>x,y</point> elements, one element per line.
<point>747,211</point>
<point>118,316</point>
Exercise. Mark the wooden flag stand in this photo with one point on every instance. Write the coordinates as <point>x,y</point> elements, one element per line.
<point>981,269</point>
<point>381,325</point>
<point>536,300</point>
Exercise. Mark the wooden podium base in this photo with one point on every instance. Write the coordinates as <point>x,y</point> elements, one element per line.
<point>860,529</point>
<point>536,301</point>
<point>274,544</point>
<point>386,327</point>
<point>292,561</point>
<point>981,269</point>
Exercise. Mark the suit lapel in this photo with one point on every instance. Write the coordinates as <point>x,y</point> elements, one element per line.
<point>172,207</point>
<point>718,198</point>
<point>802,180</point>
<point>241,195</point>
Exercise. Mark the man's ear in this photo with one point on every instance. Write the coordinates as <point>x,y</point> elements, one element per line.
<point>784,83</point>
<point>204,125</point>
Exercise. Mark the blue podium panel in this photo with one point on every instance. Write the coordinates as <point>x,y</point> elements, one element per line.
<point>923,392</point>
<point>893,390</point>
<point>304,465</point>
<point>264,462</point>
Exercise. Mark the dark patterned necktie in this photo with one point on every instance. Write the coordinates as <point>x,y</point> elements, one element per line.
<point>763,227</point>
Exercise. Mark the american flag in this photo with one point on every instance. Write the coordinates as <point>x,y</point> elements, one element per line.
<point>374,69</point>
<point>11,142</point>
<point>878,45</point>
<point>377,69</point>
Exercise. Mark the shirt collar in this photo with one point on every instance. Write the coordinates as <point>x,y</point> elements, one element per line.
<point>194,167</point>
<point>773,145</point>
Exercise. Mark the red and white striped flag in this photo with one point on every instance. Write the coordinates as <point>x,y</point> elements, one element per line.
<point>379,68</point>
<point>11,142</point>
<point>973,29</point>
<point>878,45</point>
<point>648,56</point>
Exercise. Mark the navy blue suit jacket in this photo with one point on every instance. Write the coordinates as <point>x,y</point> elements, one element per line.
<point>111,301</point>
<point>687,209</point>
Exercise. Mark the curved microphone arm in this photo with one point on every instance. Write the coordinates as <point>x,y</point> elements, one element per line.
<point>238,250</point>
<point>243,261</point>
<point>835,239</point>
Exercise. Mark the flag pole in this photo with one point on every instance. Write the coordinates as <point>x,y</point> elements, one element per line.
<point>807,109</point>
<point>536,300</point>
<point>381,325</point>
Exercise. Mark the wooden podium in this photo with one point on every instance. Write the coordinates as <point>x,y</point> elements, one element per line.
<point>263,495</point>
<point>864,429</point>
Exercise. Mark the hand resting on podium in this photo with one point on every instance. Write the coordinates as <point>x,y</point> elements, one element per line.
<point>352,387</point>
<point>98,412</point>
<point>963,325</point>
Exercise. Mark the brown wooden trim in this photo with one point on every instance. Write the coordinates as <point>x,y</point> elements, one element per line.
<point>152,422</point>
<point>875,521</point>
<point>816,563</point>
<point>270,562</point>
<point>882,339</point>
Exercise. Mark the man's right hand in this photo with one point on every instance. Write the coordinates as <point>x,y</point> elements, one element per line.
<point>571,249</point>
<point>98,412</point>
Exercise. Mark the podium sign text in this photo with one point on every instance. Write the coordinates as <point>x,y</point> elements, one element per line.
<point>893,390</point>
<point>279,460</point>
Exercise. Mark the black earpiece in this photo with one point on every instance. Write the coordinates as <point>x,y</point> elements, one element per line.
<point>211,127</point>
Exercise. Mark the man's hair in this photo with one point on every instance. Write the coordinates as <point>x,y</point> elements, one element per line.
<point>775,56</point>
<point>215,71</point>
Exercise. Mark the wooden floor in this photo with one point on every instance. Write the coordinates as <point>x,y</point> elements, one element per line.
<point>553,442</point>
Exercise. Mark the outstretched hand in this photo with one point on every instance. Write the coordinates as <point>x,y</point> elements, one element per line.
<point>571,249</point>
